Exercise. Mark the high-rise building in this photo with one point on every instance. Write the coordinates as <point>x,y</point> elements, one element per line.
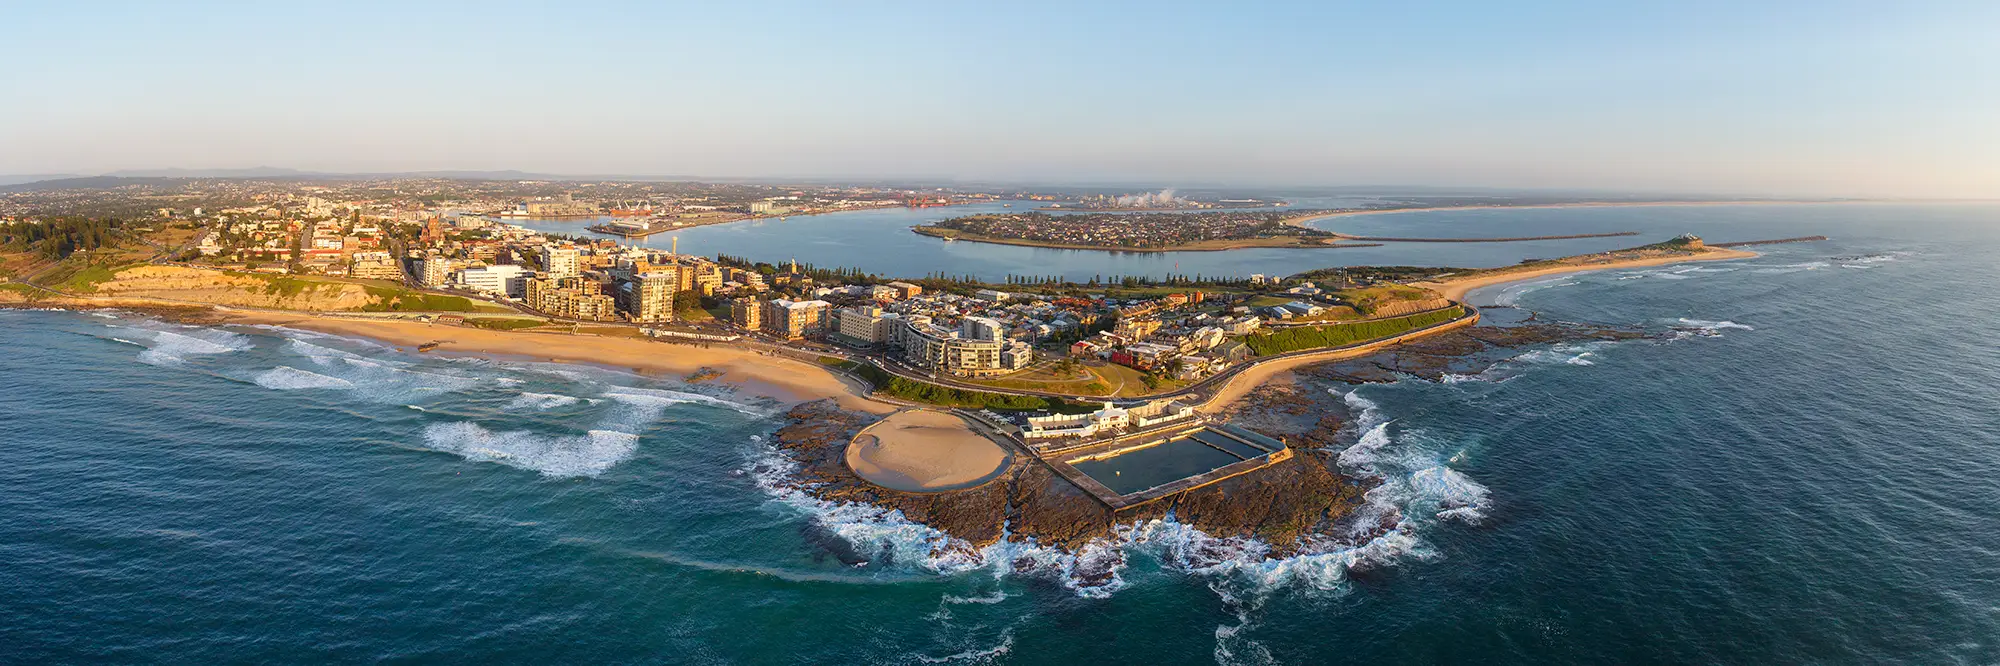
<point>433,270</point>
<point>795,319</point>
<point>650,295</point>
<point>560,260</point>
<point>570,297</point>
<point>707,278</point>
<point>747,313</point>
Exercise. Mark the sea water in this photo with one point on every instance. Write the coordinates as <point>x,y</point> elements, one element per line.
<point>1803,465</point>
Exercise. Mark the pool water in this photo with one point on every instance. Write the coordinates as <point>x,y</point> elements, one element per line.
<point>1156,465</point>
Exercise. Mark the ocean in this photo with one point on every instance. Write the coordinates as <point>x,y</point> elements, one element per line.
<point>1803,466</point>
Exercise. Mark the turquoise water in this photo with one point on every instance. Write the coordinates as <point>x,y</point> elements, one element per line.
<point>1805,469</point>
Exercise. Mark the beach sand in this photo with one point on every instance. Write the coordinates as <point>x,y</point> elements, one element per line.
<point>924,450</point>
<point>776,377</point>
<point>1458,288</point>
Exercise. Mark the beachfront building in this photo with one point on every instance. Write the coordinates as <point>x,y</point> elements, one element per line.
<point>374,265</point>
<point>649,296</point>
<point>747,313</point>
<point>570,298</point>
<point>1109,420</point>
<point>868,325</point>
<point>795,319</point>
<point>938,349</point>
<point>505,280</point>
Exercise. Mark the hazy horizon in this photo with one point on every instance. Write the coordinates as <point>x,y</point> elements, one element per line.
<point>1778,99</point>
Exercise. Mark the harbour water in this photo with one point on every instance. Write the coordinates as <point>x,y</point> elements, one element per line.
<point>1803,467</point>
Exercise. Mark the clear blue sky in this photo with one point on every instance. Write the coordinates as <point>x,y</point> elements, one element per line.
<point>1888,98</point>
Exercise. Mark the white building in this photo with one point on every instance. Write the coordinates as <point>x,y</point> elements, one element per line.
<point>507,280</point>
<point>981,328</point>
<point>1109,420</point>
<point>560,260</point>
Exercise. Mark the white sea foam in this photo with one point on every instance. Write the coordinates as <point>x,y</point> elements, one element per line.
<point>1792,268</point>
<point>540,401</point>
<point>287,378</point>
<point>173,346</point>
<point>996,597</point>
<point>976,655</point>
<point>319,354</point>
<point>1511,296</point>
<point>663,397</point>
<point>378,378</point>
<point>1687,328</point>
<point>589,454</point>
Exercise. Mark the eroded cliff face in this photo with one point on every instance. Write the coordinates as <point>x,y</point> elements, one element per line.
<point>219,288</point>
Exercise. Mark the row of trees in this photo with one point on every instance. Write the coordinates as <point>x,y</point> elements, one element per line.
<point>58,238</point>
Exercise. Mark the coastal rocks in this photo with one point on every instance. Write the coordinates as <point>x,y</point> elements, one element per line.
<point>1287,506</point>
<point>816,438</point>
<point>1459,352</point>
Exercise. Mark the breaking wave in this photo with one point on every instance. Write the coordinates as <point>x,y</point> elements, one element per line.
<point>1416,489</point>
<point>375,378</point>
<point>173,347</point>
<point>1792,268</point>
<point>530,401</point>
<point>1692,328</point>
<point>558,456</point>
<point>1511,296</point>
<point>288,378</point>
<point>645,397</point>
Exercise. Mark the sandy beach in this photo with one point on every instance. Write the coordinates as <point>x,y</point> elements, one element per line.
<point>781,378</point>
<point>1456,289</point>
<point>924,450</point>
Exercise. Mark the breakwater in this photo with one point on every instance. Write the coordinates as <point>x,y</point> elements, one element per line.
<point>1775,241</point>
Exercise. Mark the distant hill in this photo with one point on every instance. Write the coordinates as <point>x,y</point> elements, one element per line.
<point>30,178</point>
<point>252,172</point>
